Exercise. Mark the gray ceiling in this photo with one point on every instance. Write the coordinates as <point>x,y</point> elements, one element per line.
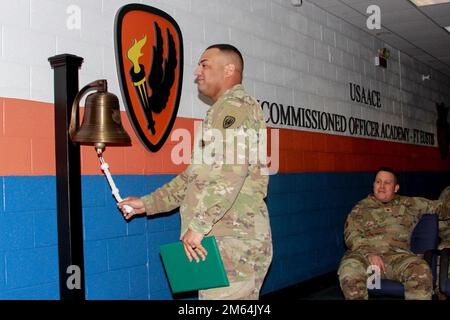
<point>416,31</point>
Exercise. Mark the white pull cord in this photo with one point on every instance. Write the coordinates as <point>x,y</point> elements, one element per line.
<point>114,189</point>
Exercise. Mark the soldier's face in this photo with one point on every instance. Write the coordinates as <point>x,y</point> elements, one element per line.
<point>210,74</point>
<point>385,186</point>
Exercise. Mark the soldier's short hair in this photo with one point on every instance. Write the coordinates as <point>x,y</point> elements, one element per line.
<point>228,48</point>
<point>390,170</point>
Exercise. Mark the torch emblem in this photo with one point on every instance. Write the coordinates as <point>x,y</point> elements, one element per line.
<point>149,54</point>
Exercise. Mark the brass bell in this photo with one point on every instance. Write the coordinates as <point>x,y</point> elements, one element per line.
<point>101,124</point>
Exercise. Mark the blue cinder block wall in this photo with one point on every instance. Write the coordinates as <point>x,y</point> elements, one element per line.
<point>307,212</point>
<point>28,238</point>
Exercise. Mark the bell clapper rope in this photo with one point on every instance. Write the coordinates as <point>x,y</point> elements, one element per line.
<point>114,189</point>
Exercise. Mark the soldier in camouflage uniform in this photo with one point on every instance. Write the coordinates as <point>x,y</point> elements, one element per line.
<point>444,225</point>
<point>444,231</point>
<point>377,232</point>
<point>222,199</point>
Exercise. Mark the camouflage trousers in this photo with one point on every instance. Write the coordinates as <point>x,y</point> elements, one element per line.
<point>246,263</point>
<point>445,243</point>
<point>444,233</point>
<point>409,269</point>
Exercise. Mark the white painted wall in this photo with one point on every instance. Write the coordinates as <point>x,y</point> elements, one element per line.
<point>300,56</point>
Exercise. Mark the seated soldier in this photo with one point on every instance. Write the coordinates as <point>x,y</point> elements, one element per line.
<point>444,225</point>
<point>377,233</point>
<point>444,230</point>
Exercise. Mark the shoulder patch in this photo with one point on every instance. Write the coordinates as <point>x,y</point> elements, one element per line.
<point>230,117</point>
<point>228,121</point>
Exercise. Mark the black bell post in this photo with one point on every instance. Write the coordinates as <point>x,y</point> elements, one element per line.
<point>68,179</point>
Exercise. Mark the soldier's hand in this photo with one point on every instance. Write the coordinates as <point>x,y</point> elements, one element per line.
<point>136,203</point>
<point>377,261</point>
<point>192,242</point>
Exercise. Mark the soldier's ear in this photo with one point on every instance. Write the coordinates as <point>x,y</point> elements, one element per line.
<point>397,187</point>
<point>230,69</point>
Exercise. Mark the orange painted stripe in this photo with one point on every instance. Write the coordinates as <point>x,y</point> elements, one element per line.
<point>303,151</point>
<point>27,148</point>
<point>27,138</point>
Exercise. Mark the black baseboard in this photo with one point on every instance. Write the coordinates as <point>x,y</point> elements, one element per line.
<point>304,288</point>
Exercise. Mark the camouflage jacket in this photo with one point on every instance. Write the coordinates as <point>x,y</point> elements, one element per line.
<point>373,227</point>
<point>220,198</point>
<point>444,225</point>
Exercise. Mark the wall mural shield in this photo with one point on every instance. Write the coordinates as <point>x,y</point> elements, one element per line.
<point>149,58</point>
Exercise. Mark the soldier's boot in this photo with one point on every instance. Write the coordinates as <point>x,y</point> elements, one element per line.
<point>353,277</point>
<point>354,287</point>
<point>418,282</point>
<point>441,296</point>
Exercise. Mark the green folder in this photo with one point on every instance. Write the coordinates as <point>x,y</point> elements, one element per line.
<point>188,276</point>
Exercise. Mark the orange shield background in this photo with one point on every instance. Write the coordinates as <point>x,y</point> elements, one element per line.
<point>133,22</point>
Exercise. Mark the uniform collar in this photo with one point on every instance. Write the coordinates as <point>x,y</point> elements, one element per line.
<point>393,202</point>
<point>236,90</point>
